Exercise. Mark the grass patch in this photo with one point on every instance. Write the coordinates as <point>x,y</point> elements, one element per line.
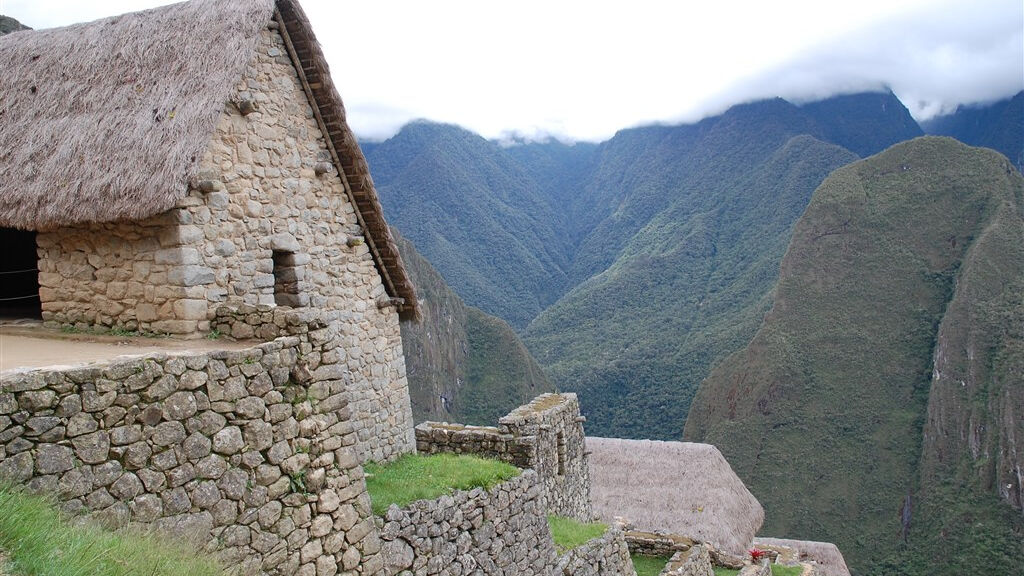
<point>416,477</point>
<point>649,565</point>
<point>569,533</point>
<point>780,570</point>
<point>41,542</point>
<point>723,571</point>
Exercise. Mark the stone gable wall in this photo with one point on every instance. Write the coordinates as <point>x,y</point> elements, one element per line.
<point>253,451</point>
<point>545,435</point>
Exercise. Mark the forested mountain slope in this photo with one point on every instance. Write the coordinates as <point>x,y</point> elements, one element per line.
<point>463,365</point>
<point>999,126</point>
<point>476,215</point>
<point>880,403</point>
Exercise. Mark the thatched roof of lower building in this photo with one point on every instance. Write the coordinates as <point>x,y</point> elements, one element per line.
<point>108,120</point>
<point>677,487</point>
<point>826,554</point>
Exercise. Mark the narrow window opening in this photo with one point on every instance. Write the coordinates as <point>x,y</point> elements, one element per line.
<point>287,277</point>
<point>561,454</point>
<point>19,275</point>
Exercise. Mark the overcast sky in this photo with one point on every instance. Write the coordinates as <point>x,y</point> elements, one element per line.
<point>584,69</point>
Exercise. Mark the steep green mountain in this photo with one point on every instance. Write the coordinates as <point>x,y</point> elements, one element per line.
<point>462,365</point>
<point>631,266</point>
<point>999,126</point>
<point>879,405</point>
<point>865,123</point>
<point>8,25</point>
<point>689,286</point>
<point>476,215</point>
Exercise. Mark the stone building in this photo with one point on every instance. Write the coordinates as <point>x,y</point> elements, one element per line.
<point>167,162</point>
<point>166,166</point>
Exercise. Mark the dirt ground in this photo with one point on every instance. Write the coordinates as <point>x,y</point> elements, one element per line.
<point>32,346</point>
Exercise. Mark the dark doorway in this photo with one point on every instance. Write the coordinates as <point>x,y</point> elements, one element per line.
<point>19,276</point>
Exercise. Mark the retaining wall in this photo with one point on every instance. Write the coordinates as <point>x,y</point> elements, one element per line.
<point>545,435</point>
<point>606,555</point>
<point>253,451</point>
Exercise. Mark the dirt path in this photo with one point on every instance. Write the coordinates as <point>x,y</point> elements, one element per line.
<point>32,346</point>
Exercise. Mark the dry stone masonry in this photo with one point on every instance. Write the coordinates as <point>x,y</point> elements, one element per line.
<point>256,451</point>
<point>545,435</point>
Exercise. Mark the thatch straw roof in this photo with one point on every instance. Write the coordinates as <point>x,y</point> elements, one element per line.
<point>108,120</point>
<point>676,487</point>
<point>826,554</point>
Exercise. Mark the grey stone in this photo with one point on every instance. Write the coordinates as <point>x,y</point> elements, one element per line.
<point>106,473</point>
<point>92,448</point>
<point>212,466</point>
<point>179,406</point>
<point>147,508</point>
<point>228,441</point>
<point>175,501</point>
<point>168,433</point>
<point>17,468</point>
<point>191,275</point>
<point>196,446</point>
<point>258,435</point>
<point>206,495</point>
<point>81,423</point>
<point>36,400</point>
<point>127,487</point>
<point>233,484</point>
<point>54,459</point>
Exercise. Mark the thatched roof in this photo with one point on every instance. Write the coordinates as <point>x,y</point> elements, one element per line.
<point>108,120</point>
<point>676,487</point>
<point>826,554</point>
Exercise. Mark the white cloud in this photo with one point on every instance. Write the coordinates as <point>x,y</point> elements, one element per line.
<point>587,69</point>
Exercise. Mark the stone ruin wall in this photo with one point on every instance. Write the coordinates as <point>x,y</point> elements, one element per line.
<point>267,222</point>
<point>545,435</point>
<point>255,452</point>
<point>501,531</point>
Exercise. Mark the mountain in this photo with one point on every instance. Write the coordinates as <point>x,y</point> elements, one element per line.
<point>678,273</point>
<point>462,365</point>
<point>691,284</point>
<point>999,126</point>
<point>880,403</point>
<point>8,25</point>
<point>632,266</point>
<point>476,215</point>
<point>865,123</point>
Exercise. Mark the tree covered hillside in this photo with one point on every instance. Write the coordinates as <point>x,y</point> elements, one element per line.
<point>879,405</point>
<point>630,267</point>
<point>999,126</point>
<point>463,365</point>
<point>477,216</point>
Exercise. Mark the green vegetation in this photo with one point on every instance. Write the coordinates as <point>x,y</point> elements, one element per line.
<point>568,533</point>
<point>898,309</point>
<point>688,277</point>
<point>39,541</point>
<point>723,571</point>
<point>996,125</point>
<point>780,570</point>
<point>414,477</point>
<point>463,365</point>
<point>648,565</point>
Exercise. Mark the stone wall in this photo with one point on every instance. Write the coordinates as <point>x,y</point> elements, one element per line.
<point>606,555</point>
<point>379,406</point>
<point>657,543</point>
<point>695,561</point>
<point>253,451</point>
<point>545,435</point>
<point>501,531</point>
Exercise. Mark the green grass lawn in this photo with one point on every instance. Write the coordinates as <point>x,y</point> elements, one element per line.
<point>40,542</point>
<point>721,571</point>
<point>417,477</point>
<point>648,565</point>
<point>780,570</point>
<point>569,533</point>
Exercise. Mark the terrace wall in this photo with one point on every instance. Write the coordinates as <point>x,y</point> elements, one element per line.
<point>545,435</point>
<point>501,531</point>
<point>255,452</point>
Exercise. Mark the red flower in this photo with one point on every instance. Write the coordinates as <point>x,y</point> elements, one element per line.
<point>756,555</point>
